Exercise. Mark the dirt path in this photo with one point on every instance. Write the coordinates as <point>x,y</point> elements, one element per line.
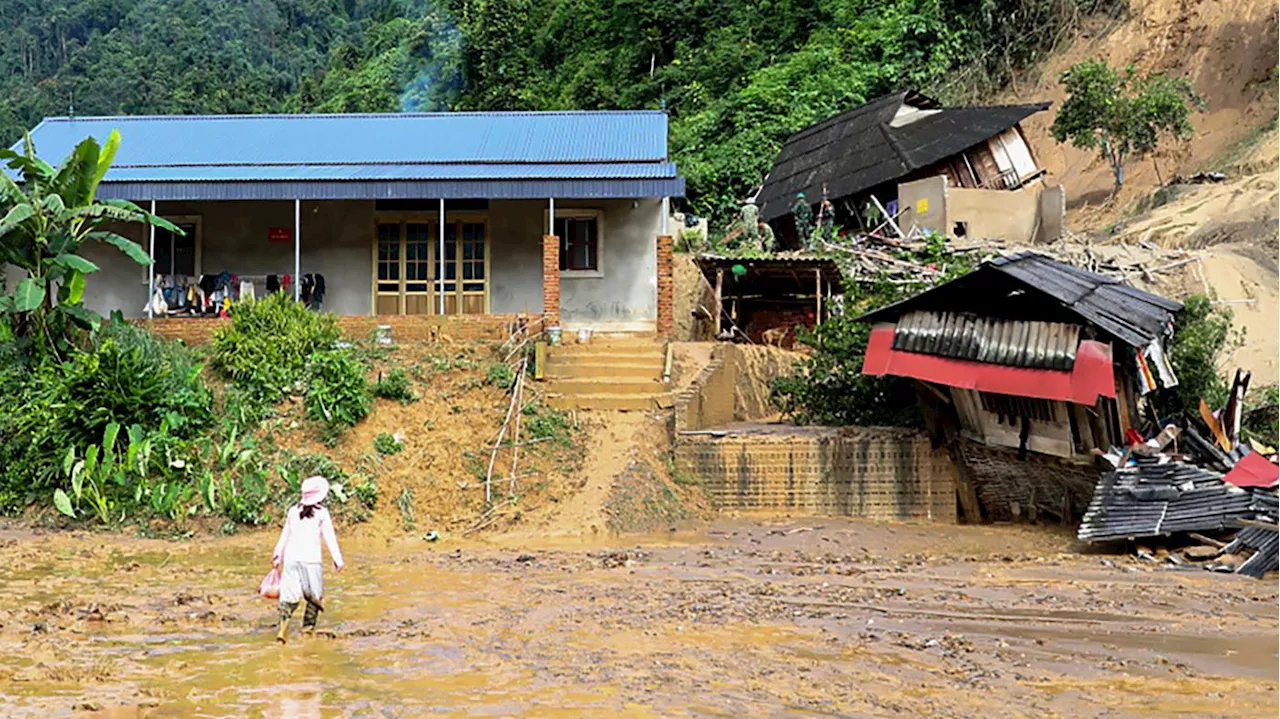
<point>815,618</point>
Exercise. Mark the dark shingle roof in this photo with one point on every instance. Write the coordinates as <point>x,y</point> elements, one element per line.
<point>1127,313</point>
<point>859,149</point>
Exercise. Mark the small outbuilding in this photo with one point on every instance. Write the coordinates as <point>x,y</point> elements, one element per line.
<point>764,299</point>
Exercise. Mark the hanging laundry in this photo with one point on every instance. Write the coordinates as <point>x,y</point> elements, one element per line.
<point>273,284</point>
<point>246,290</point>
<point>317,292</point>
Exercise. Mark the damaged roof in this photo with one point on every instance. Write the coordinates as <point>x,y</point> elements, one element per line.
<point>1124,312</point>
<point>1154,499</point>
<point>878,142</point>
<point>1017,343</point>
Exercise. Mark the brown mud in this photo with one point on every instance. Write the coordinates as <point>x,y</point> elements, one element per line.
<point>820,617</point>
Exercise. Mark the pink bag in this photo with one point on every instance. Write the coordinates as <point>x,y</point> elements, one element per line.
<point>270,586</point>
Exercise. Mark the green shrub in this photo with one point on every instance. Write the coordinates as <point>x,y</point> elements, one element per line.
<point>395,385</point>
<point>386,444</point>
<point>500,375</point>
<point>122,375</point>
<point>366,494</point>
<point>547,423</point>
<point>129,376</point>
<point>337,392</point>
<point>266,346</point>
<point>1202,338</point>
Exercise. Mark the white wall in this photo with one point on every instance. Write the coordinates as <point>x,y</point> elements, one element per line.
<point>337,242</point>
<point>336,239</point>
<point>624,297</point>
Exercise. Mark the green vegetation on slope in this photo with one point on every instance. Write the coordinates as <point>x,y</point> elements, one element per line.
<point>737,77</point>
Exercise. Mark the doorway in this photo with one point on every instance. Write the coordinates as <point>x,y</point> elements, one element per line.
<point>407,267</point>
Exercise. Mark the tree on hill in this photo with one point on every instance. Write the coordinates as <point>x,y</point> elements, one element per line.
<point>1122,115</point>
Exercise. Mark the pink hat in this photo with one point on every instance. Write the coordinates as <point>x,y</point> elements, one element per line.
<point>314,490</point>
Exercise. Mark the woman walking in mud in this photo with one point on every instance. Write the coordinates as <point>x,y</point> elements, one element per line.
<point>299,552</point>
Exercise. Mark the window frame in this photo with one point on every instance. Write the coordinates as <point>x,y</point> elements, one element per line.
<point>598,216</point>
<point>179,220</point>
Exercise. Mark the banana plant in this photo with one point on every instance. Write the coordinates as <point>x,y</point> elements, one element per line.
<point>47,215</point>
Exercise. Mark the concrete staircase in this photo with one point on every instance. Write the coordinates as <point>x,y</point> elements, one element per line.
<point>609,373</point>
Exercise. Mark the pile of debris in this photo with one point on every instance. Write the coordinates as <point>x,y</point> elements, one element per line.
<point>1214,487</point>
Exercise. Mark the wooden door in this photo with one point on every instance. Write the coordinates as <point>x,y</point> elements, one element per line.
<point>387,296</point>
<point>466,267</point>
<point>404,268</point>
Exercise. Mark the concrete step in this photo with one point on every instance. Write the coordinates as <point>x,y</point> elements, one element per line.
<point>587,368</point>
<point>607,401</point>
<point>605,348</point>
<point>604,385</point>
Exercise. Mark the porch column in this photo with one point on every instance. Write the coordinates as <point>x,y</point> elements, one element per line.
<point>151,270</point>
<point>440,256</point>
<point>666,288</point>
<point>297,250</point>
<point>551,270</point>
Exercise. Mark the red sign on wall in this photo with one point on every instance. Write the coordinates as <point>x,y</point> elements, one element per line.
<point>279,234</point>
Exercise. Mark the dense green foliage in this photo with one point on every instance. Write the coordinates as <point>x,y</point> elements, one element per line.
<point>123,376</point>
<point>1202,339</point>
<point>1123,116</point>
<point>337,391</point>
<point>737,77</point>
<point>828,386</point>
<point>266,346</point>
<point>45,219</point>
<point>395,385</point>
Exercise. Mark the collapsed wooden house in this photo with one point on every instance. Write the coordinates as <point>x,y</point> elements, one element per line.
<point>1027,359</point>
<point>866,152</point>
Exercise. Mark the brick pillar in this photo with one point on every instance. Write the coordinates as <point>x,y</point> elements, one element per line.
<point>550,280</point>
<point>666,288</point>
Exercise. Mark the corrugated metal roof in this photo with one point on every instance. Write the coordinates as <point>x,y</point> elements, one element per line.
<point>1153,499</point>
<point>1045,345</point>
<point>1130,314</point>
<point>861,148</point>
<point>393,171</point>
<point>1127,313</point>
<point>446,147</point>
<point>606,188</point>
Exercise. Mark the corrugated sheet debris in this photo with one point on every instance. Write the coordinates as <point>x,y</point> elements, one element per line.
<point>1263,541</point>
<point>1045,345</point>
<point>1158,498</point>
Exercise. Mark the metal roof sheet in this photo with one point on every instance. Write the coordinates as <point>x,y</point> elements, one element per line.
<point>1155,498</point>
<point>1017,343</point>
<point>446,137</point>
<point>438,147</point>
<point>1127,313</point>
<point>509,189</point>
<point>393,171</point>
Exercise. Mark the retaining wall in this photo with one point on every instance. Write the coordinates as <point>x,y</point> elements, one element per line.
<point>195,331</point>
<point>872,473</point>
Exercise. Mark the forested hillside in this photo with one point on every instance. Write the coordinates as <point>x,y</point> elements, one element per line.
<point>736,76</point>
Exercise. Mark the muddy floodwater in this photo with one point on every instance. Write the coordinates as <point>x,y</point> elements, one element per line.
<point>746,619</point>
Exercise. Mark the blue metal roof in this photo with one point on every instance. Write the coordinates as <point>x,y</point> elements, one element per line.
<point>383,154</point>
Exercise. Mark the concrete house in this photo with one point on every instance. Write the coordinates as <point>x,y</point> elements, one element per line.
<point>870,150</point>
<point>561,215</point>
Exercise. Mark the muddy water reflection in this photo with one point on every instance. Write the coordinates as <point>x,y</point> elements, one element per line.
<point>841,619</point>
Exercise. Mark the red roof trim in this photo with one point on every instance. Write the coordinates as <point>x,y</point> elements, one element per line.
<point>1091,376</point>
